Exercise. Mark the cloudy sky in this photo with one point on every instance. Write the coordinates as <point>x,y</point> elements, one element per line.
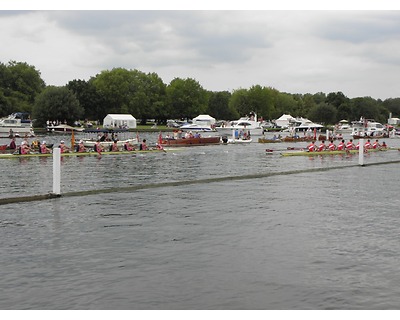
<point>296,51</point>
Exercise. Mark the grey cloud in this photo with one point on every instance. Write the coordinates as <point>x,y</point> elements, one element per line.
<point>154,32</point>
<point>361,27</point>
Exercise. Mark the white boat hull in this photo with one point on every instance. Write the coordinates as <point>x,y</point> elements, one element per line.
<point>227,131</point>
<point>89,143</point>
<point>239,141</point>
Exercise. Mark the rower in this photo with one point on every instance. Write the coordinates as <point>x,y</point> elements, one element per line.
<point>331,146</point>
<point>322,146</point>
<point>63,147</point>
<point>367,145</point>
<point>98,147</point>
<point>43,148</point>
<point>350,145</point>
<point>143,145</point>
<point>114,146</point>
<point>13,144</point>
<point>376,144</point>
<point>311,147</point>
<point>81,147</point>
<point>24,148</point>
<point>341,145</point>
<point>128,146</point>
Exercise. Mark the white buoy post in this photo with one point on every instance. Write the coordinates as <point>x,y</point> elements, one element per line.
<point>361,153</point>
<point>327,135</point>
<point>233,135</point>
<point>57,171</point>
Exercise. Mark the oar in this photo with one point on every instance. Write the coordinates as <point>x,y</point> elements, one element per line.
<point>295,148</point>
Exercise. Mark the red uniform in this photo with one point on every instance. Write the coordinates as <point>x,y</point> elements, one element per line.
<point>311,147</point>
<point>43,148</point>
<point>367,145</point>
<point>349,145</point>
<point>322,147</point>
<point>331,146</point>
<point>340,146</point>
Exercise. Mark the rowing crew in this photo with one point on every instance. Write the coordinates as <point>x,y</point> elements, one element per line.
<point>342,146</point>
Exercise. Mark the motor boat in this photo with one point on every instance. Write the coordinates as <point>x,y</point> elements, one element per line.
<point>249,123</point>
<point>368,128</point>
<point>63,128</point>
<point>195,127</point>
<point>303,124</point>
<point>13,126</point>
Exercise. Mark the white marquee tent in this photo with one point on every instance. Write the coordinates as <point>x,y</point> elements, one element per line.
<point>119,121</point>
<point>284,120</point>
<point>204,119</point>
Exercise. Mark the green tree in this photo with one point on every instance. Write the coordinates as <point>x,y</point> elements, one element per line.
<point>261,101</point>
<point>240,102</point>
<point>116,86</point>
<point>20,83</point>
<point>319,97</point>
<point>323,113</point>
<point>344,112</point>
<point>284,104</point>
<point>149,97</point>
<point>365,107</point>
<point>56,103</point>
<point>131,91</point>
<point>336,99</point>
<point>393,105</point>
<point>92,102</point>
<point>186,98</point>
<point>218,106</point>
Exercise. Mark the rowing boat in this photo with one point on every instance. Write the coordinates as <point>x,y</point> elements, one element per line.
<point>82,154</point>
<point>327,152</point>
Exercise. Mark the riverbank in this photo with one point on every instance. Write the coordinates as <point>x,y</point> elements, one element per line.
<point>139,128</point>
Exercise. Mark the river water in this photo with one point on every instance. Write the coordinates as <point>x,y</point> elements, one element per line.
<point>213,227</point>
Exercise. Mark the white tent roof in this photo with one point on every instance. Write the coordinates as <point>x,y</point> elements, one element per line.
<point>204,118</point>
<point>284,120</point>
<point>285,117</point>
<point>120,116</point>
<point>119,120</point>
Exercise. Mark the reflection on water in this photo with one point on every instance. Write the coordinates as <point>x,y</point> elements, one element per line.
<point>312,240</point>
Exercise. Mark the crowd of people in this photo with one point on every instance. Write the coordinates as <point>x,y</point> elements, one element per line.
<point>343,146</point>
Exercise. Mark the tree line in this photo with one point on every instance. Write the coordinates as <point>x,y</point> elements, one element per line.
<point>146,96</point>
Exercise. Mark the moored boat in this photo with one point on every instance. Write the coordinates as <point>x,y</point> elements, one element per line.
<point>195,127</point>
<point>189,142</point>
<point>64,128</point>
<point>237,141</point>
<point>265,140</point>
<point>15,125</point>
<point>89,143</point>
<point>249,123</point>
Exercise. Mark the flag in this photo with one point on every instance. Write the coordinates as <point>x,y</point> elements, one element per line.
<point>72,139</point>
<point>160,138</point>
